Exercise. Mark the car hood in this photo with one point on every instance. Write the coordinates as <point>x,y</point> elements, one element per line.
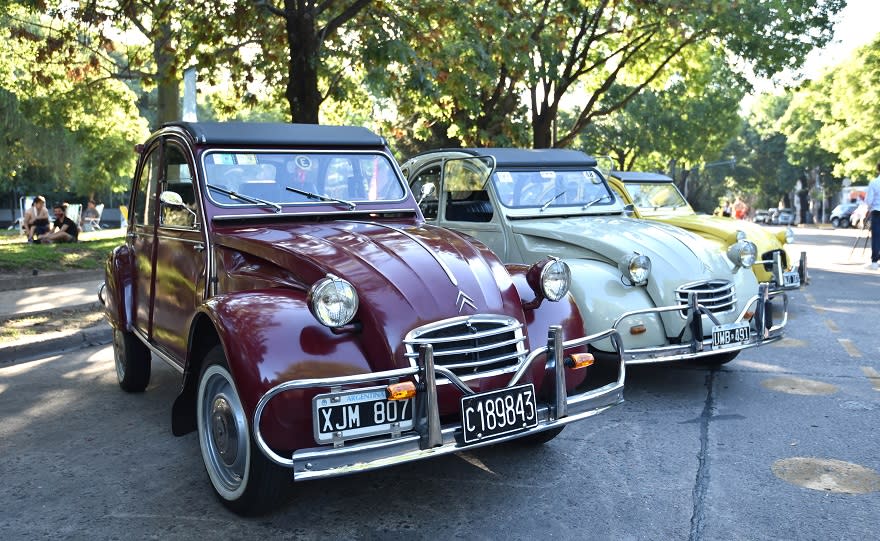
<point>677,256</point>
<point>405,275</point>
<point>723,229</point>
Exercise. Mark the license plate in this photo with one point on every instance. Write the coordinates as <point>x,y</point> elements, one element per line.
<point>359,413</point>
<point>730,334</point>
<point>791,279</point>
<point>495,413</point>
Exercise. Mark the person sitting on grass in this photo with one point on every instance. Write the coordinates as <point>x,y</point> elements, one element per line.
<point>65,229</point>
<point>36,219</point>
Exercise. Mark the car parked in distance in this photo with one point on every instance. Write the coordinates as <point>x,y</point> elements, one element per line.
<point>841,214</point>
<point>672,295</point>
<point>655,196</point>
<point>319,325</point>
<point>762,216</point>
<point>785,217</point>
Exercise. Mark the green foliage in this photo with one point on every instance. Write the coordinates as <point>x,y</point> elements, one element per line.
<point>17,255</point>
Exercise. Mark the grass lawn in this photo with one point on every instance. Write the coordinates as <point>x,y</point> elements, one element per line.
<point>16,255</point>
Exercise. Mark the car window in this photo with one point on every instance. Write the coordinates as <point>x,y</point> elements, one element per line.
<point>355,177</point>
<point>145,196</point>
<point>178,179</point>
<point>430,175</point>
<point>551,188</point>
<point>651,195</point>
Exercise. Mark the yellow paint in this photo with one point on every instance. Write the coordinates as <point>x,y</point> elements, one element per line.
<point>831,325</point>
<point>850,347</point>
<point>873,376</point>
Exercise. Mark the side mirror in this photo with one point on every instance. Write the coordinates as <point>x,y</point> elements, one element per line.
<point>427,189</point>
<point>171,198</point>
<point>629,210</point>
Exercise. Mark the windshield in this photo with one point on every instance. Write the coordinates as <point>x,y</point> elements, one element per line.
<point>551,188</point>
<point>654,196</point>
<point>300,178</point>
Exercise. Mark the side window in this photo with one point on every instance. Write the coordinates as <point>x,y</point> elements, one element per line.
<point>145,197</point>
<point>179,179</point>
<point>466,197</point>
<point>428,203</point>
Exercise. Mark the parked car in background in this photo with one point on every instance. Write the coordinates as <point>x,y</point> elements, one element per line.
<point>840,215</point>
<point>655,197</point>
<point>319,325</point>
<point>785,217</point>
<point>672,295</point>
<point>762,216</point>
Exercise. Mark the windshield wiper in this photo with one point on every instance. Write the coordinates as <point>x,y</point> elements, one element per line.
<point>320,197</point>
<point>592,202</point>
<point>552,199</point>
<point>250,199</point>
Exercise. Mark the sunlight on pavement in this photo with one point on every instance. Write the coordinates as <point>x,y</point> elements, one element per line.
<point>799,386</point>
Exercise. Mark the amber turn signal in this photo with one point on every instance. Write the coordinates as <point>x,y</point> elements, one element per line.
<point>579,360</point>
<point>638,329</point>
<point>400,391</point>
<point>748,316</point>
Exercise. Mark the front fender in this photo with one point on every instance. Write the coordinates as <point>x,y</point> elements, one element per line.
<point>270,336</point>
<point>118,287</point>
<point>602,297</point>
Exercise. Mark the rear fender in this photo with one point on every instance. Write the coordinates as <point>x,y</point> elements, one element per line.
<point>118,291</point>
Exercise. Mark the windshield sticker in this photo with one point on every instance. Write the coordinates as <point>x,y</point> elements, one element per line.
<point>223,159</point>
<point>505,177</point>
<point>246,159</point>
<point>548,174</point>
<point>304,162</point>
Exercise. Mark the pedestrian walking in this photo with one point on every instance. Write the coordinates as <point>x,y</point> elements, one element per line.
<point>872,199</point>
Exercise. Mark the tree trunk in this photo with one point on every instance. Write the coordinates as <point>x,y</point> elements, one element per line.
<point>168,106</point>
<point>302,73</point>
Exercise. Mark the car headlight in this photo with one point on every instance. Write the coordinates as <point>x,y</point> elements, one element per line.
<point>785,237</point>
<point>550,278</point>
<point>333,301</point>
<point>743,253</point>
<point>636,268</point>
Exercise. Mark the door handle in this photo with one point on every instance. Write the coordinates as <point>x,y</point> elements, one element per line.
<point>199,247</point>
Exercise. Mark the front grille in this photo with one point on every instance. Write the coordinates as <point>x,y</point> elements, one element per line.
<point>717,296</point>
<point>767,259</point>
<point>471,346</point>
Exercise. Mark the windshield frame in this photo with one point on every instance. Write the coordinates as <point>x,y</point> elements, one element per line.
<point>651,210</point>
<point>290,199</point>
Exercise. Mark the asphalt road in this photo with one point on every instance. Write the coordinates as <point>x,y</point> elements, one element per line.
<point>782,443</point>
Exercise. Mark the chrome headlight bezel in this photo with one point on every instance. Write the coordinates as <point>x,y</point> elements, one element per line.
<point>743,253</point>
<point>555,280</point>
<point>636,268</point>
<point>333,301</point>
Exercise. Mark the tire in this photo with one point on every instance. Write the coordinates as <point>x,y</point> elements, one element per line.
<point>132,359</point>
<point>244,480</point>
<point>540,438</point>
<point>835,222</point>
<point>718,359</point>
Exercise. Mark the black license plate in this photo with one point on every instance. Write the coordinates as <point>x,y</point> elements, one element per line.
<point>730,334</point>
<point>495,413</point>
<point>359,413</point>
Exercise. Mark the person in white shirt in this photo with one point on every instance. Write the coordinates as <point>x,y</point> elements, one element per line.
<point>872,199</point>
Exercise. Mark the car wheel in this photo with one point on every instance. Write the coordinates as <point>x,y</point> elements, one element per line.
<point>835,222</point>
<point>132,359</point>
<point>844,223</point>
<point>540,438</point>
<point>245,480</point>
<point>718,359</point>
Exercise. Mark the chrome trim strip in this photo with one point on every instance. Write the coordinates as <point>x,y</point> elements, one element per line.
<point>494,345</point>
<point>137,332</point>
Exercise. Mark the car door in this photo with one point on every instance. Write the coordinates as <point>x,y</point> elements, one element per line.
<point>462,202</point>
<point>141,238</point>
<point>181,257</point>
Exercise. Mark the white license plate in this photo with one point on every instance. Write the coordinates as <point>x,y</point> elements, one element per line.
<point>495,413</point>
<point>359,413</point>
<point>731,334</point>
<point>791,279</point>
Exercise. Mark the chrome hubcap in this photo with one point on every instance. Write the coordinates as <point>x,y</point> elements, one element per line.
<point>224,430</point>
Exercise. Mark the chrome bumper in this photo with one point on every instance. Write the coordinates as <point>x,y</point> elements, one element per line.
<point>430,438</point>
<point>778,283</point>
<point>699,347</point>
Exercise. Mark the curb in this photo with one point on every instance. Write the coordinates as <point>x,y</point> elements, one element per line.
<point>10,283</point>
<point>93,336</point>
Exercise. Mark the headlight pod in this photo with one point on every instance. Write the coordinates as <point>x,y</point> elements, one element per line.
<point>743,253</point>
<point>333,301</point>
<point>786,237</point>
<point>549,278</point>
<point>636,268</point>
